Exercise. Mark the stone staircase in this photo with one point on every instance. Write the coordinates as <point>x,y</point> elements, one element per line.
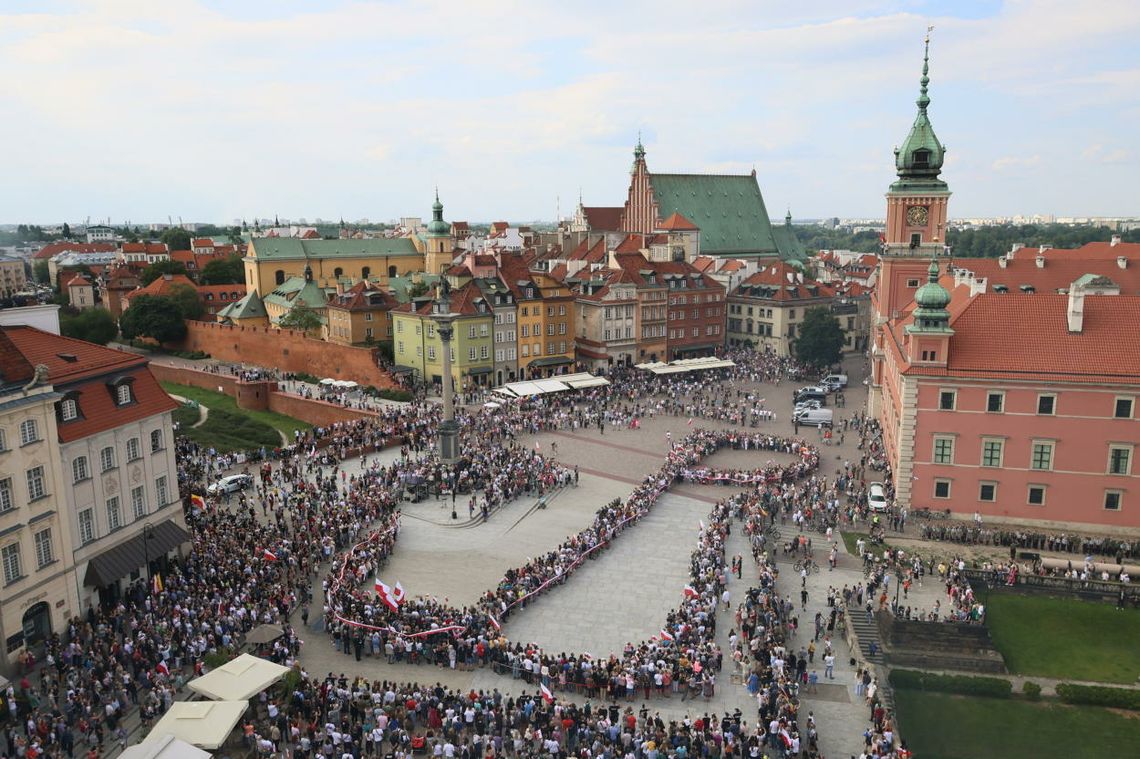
<point>866,633</point>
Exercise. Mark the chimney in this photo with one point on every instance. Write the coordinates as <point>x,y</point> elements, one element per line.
<point>1040,261</point>
<point>1122,262</point>
<point>1042,248</point>
<point>1016,247</point>
<point>1003,261</point>
<point>1115,241</point>
<point>1076,310</point>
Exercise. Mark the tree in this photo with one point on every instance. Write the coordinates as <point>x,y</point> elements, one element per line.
<point>41,271</point>
<point>223,271</point>
<point>95,325</point>
<point>300,317</point>
<point>66,231</point>
<point>235,235</point>
<point>176,238</point>
<point>820,342</point>
<point>158,268</point>
<point>416,289</point>
<point>186,298</point>
<point>153,316</point>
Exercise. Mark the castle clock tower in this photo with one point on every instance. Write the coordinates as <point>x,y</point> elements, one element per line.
<point>916,222</point>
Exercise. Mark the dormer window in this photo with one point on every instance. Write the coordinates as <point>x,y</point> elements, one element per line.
<point>121,391</point>
<point>922,159</point>
<point>69,410</point>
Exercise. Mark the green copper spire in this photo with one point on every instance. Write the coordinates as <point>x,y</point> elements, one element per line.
<point>438,227</point>
<point>932,300</point>
<point>638,154</point>
<point>919,160</point>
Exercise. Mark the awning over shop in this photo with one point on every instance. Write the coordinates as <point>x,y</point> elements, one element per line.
<point>589,382</point>
<point>687,365</point>
<point>552,361</point>
<point>205,724</point>
<point>480,370</point>
<point>558,384</point>
<point>238,679</point>
<point>118,562</point>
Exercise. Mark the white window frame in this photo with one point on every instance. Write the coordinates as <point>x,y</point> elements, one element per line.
<point>123,395</point>
<point>80,469</point>
<point>156,441</point>
<point>10,558</point>
<point>86,526</point>
<point>114,513</point>
<point>1119,499</point>
<point>43,547</point>
<point>29,432</point>
<point>107,459</point>
<point>7,497</point>
<point>1128,449</point>
<point>1029,494</point>
<point>949,489</point>
<point>1053,410</point>
<point>161,491</point>
<point>990,483</point>
<point>138,501</point>
<point>934,449</point>
<point>37,482</point>
<point>1033,455</point>
<point>69,409</point>
<point>136,454</point>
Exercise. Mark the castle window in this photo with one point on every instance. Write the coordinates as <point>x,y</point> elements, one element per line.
<point>279,276</point>
<point>922,159</point>
<point>365,272</point>
<point>392,272</point>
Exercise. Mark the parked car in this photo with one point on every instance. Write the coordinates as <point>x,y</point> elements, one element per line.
<point>834,382</point>
<point>812,395</point>
<point>877,497</point>
<point>814,417</point>
<point>808,404</point>
<point>230,484</point>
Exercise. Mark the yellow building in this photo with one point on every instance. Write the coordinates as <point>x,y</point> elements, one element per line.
<point>360,315</point>
<point>545,318</point>
<point>417,345</point>
<point>13,277</point>
<point>270,261</point>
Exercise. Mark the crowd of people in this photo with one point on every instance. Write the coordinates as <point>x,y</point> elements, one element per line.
<point>244,570</point>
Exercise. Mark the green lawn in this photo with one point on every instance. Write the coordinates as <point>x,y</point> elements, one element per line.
<point>939,726</point>
<point>229,428</point>
<point>1065,639</point>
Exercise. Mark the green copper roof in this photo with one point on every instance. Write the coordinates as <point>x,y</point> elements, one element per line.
<point>296,290</point>
<point>919,160</point>
<point>437,227</point>
<point>291,248</point>
<point>932,300</point>
<point>249,307</point>
<point>728,209</point>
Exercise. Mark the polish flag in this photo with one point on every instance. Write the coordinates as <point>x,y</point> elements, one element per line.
<point>666,636</point>
<point>690,592</point>
<point>494,622</point>
<point>690,421</point>
<point>268,555</point>
<point>701,524</point>
<point>385,595</point>
<point>398,593</point>
<point>162,669</point>
<point>537,447</point>
<point>547,696</point>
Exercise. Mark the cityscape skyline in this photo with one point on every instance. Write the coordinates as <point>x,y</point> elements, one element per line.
<point>194,109</point>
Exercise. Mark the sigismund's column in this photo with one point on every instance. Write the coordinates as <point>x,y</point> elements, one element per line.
<point>448,428</point>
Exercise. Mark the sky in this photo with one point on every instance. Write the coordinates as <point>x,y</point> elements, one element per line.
<point>215,110</point>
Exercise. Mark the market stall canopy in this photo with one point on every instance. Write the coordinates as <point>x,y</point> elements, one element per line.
<point>238,679</point>
<point>686,365</point>
<point>164,747</point>
<point>328,381</point>
<point>559,384</point>
<point>205,724</point>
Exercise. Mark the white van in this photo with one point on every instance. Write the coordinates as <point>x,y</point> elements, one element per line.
<point>814,417</point>
<point>834,381</point>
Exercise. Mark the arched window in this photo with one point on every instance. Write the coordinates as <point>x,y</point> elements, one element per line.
<point>392,274</point>
<point>279,276</point>
<point>364,272</point>
<point>338,272</point>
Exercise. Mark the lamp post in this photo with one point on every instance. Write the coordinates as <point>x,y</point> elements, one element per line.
<point>448,428</point>
<point>146,535</point>
<point>898,587</point>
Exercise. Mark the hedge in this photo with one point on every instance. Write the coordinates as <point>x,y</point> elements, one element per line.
<point>909,679</point>
<point>1099,695</point>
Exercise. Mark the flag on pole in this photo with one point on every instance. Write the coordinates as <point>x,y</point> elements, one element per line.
<point>494,622</point>
<point>268,555</point>
<point>197,501</point>
<point>162,669</point>
<point>385,594</point>
<point>690,592</point>
<point>547,696</point>
<point>701,524</point>
<point>690,421</point>
<point>537,447</point>
<point>398,593</point>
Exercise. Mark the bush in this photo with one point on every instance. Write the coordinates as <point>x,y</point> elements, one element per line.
<point>191,355</point>
<point>1099,695</point>
<point>994,687</point>
<point>306,377</point>
<point>389,394</point>
<point>1032,690</point>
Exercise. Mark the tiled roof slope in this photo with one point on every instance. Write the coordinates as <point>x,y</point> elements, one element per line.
<point>291,248</point>
<point>728,209</point>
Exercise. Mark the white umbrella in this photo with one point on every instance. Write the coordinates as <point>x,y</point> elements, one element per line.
<point>328,381</point>
<point>205,724</point>
<point>164,747</point>
<point>348,383</point>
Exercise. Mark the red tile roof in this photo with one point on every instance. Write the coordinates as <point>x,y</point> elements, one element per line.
<point>14,367</point>
<point>678,223</point>
<point>603,218</point>
<point>783,281</point>
<point>364,296</point>
<point>202,242</point>
<point>162,285</point>
<point>79,281</point>
<point>463,300</point>
<point>54,248</point>
<point>631,244</point>
<point>75,365</point>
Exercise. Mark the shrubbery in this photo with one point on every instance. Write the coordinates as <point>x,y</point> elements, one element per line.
<point>1099,695</point>
<point>1031,690</point>
<point>994,687</point>
<point>388,394</point>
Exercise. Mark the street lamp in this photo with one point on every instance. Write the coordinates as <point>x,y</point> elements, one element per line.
<point>147,529</point>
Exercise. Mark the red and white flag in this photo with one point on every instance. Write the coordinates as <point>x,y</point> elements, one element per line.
<point>398,593</point>
<point>268,555</point>
<point>665,635</point>
<point>690,592</point>
<point>537,447</point>
<point>162,669</point>
<point>197,501</point>
<point>385,594</point>
<point>690,421</point>
<point>494,622</point>
<point>547,696</point>
<point>701,524</point>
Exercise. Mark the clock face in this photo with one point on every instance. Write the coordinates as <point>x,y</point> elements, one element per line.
<point>916,216</point>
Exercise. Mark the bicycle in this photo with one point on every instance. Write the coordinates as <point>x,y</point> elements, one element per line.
<point>809,564</point>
